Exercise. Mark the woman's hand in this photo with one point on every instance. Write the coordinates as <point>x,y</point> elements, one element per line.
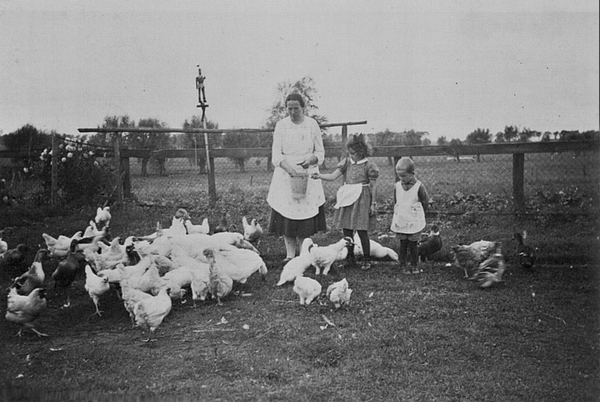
<point>311,160</point>
<point>373,209</point>
<point>315,176</point>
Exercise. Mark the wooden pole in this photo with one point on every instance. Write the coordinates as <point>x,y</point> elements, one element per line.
<point>210,162</point>
<point>125,168</point>
<point>344,140</point>
<point>519,181</point>
<point>117,161</point>
<point>54,172</point>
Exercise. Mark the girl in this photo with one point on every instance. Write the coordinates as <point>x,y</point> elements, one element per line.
<point>355,208</point>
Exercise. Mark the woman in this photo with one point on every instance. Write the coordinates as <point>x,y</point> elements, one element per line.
<point>297,151</point>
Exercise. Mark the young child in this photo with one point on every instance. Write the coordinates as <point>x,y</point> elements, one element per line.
<point>410,204</point>
<point>355,208</point>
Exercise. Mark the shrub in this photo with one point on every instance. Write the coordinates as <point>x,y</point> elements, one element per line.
<point>84,177</point>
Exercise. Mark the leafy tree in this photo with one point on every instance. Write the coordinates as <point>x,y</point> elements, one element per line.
<point>29,138</point>
<point>306,87</point>
<point>526,135</point>
<point>442,140</point>
<point>546,136</point>
<point>149,140</point>
<point>499,137</point>
<point>479,136</point>
<point>511,133</point>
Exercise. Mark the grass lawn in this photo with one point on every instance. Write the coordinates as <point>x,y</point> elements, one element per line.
<point>428,337</point>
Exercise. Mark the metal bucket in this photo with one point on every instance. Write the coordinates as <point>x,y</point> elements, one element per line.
<point>299,184</point>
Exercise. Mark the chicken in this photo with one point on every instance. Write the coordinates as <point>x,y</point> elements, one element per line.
<point>469,257</point>
<point>150,281</point>
<point>377,250</point>
<point>324,257</point>
<point>220,284</point>
<point>130,297</point>
<point>431,245</point>
<point>103,216</point>
<point>252,231</point>
<point>297,265</point>
<point>239,264</point>
<point>223,226</point>
<point>177,228</point>
<point>490,270</point>
<point>3,247</point>
<point>67,269</point>
<point>59,247</point>
<point>339,293</point>
<point>15,257</point>
<point>23,310</point>
<point>307,288</point>
<point>182,213</point>
<point>177,280</point>
<point>34,277</point>
<point>203,228</point>
<point>150,312</point>
<point>200,284</point>
<point>526,254</point>
<point>96,286</point>
<point>233,239</point>
<point>92,230</point>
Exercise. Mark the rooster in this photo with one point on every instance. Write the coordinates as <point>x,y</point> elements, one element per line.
<point>23,310</point>
<point>526,254</point>
<point>67,269</point>
<point>95,286</point>
<point>339,293</point>
<point>34,277</point>
<point>491,269</point>
<point>431,245</point>
<point>252,231</point>
<point>150,312</point>
<point>324,257</point>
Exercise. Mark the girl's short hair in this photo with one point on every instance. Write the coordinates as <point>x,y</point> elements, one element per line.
<point>295,96</point>
<point>358,144</point>
<point>407,164</point>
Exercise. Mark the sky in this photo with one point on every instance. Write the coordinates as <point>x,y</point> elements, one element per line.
<point>446,67</point>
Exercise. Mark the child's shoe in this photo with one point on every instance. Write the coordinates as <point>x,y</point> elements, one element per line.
<point>366,265</point>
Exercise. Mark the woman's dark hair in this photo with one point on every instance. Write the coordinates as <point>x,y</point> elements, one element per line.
<point>358,144</point>
<point>295,96</point>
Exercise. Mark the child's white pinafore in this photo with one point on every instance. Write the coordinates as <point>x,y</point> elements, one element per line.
<point>409,215</point>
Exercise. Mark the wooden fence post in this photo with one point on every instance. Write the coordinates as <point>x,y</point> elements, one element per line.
<point>212,187</point>
<point>117,161</point>
<point>126,176</point>
<point>54,172</point>
<point>519,181</point>
<point>344,141</point>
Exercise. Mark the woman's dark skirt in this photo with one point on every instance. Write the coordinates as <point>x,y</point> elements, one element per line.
<point>280,225</point>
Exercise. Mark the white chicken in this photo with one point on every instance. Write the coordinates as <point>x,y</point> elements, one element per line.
<point>59,247</point>
<point>103,216</point>
<point>203,228</point>
<point>220,284</point>
<point>377,250</point>
<point>177,280</point>
<point>324,257</point>
<point>96,286</point>
<point>339,293</point>
<point>130,298</point>
<point>3,247</point>
<point>307,289</point>
<point>490,270</point>
<point>150,312</point>
<point>241,263</point>
<point>297,265</point>
<point>233,239</point>
<point>252,231</point>
<point>92,230</point>
<point>23,310</point>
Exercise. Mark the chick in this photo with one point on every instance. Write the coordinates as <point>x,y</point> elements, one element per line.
<point>339,293</point>
<point>150,312</point>
<point>490,270</point>
<point>324,257</point>
<point>34,277</point>
<point>526,254</point>
<point>307,288</point>
<point>95,286</point>
<point>23,310</point>
<point>220,284</point>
